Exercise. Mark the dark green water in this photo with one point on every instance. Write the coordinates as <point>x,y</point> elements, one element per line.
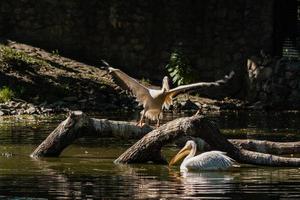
<point>85,170</point>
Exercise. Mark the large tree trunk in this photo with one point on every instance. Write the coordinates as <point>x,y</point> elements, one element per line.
<point>149,147</point>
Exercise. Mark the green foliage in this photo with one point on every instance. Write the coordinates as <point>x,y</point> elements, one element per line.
<point>6,94</point>
<point>18,58</point>
<point>179,68</point>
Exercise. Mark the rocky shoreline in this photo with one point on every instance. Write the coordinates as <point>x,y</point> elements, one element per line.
<point>46,83</point>
<point>21,107</point>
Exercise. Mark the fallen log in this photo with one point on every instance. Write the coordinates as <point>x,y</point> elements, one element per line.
<point>79,125</point>
<point>149,147</point>
<point>264,146</point>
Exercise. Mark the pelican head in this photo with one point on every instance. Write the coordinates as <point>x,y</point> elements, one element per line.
<point>186,150</point>
<point>165,84</point>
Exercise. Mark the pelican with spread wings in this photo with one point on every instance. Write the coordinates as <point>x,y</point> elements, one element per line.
<point>154,100</point>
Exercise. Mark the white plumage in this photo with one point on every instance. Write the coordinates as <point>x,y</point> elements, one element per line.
<point>212,160</point>
<point>153,100</point>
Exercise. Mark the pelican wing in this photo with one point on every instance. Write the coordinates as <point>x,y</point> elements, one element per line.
<point>211,160</point>
<point>183,88</point>
<point>130,84</point>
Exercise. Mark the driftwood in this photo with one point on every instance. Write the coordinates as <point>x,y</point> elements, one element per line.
<point>148,148</point>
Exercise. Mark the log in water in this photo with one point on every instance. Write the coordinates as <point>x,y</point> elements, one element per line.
<point>148,148</point>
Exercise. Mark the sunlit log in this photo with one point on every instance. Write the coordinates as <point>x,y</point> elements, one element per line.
<point>78,125</point>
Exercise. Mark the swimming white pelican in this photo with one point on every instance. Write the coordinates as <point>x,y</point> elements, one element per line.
<point>153,100</point>
<point>211,160</point>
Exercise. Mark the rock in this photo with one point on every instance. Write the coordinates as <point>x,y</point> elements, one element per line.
<point>24,105</point>
<point>4,106</point>
<point>11,103</point>
<point>13,112</point>
<point>213,107</point>
<point>18,105</point>
<point>30,110</point>
<point>6,111</point>
<point>2,113</point>
<point>46,110</point>
<point>20,112</point>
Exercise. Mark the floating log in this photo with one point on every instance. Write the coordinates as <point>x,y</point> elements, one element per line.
<point>149,147</point>
<point>78,125</point>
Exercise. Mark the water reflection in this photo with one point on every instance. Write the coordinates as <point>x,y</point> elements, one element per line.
<point>77,177</point>
<point>201,184</point>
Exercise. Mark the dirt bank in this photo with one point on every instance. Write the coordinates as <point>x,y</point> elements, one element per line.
<point>46,82</point>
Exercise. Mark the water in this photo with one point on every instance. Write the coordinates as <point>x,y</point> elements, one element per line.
<point>85,170</point>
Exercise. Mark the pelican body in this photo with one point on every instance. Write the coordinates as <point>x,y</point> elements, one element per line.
<point>212,160</point>
<point>154,100</point>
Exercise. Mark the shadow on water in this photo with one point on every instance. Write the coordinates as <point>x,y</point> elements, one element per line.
<point>86,170</point>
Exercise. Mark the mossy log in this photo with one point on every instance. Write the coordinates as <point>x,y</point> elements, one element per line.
<point>148,148</point>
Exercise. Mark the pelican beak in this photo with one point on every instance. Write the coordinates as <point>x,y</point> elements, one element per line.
<point>182,153</point>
